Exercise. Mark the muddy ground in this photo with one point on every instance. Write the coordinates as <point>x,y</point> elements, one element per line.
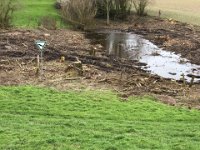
<point>66,48</point>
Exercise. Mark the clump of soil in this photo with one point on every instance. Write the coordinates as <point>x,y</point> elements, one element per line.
<point>18,62</point>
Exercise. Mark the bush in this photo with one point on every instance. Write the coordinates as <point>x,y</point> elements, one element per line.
<point>140,6</point>
<point>123,7</point>
<point>7,7</point>
<point>118,8</point>
<point>79,13</point>
<point>57,5</point>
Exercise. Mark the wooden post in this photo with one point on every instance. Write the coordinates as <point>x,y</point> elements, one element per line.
<point>191,82</point>
<point>38,61</point>
<point>159,13</point>
<point>62,59</point>
<point>38,66</point>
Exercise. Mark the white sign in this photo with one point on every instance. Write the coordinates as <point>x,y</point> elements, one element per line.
<point>40,44</point>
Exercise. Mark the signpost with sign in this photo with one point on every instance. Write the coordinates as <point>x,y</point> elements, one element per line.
<point>41,45</point>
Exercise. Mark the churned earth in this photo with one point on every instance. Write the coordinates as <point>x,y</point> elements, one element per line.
<point>96,69</point>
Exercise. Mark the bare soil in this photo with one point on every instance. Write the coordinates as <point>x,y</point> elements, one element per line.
<point>18,61</point>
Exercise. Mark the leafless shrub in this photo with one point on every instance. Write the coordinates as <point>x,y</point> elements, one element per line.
<point>57,5</point>
<point>123,6</point>
<point>7,7</point>
<point>140,6</point>
<point>79,13</point>
<point>117,8</point>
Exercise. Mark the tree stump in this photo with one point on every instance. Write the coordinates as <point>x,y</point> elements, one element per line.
<point>75,69</point>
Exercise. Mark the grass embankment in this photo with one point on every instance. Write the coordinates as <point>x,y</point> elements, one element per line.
<point>182,10</point>
<point>35,118</point>
<point>31,11</point>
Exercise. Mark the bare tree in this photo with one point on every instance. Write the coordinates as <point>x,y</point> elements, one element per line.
<point>122,6</point>
<point>140,6</point>
<point>108,5</point>
<point>113,8</point>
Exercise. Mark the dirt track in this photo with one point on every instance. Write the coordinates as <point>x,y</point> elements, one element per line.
<point>18,62</point>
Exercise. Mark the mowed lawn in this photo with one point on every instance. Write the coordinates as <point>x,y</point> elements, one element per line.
<point>31,11</point>
<point>182,10</point>
<point>38,118</point>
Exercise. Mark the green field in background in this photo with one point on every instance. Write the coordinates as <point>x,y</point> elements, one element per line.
<point>31,11</point>
<point>182,10</point>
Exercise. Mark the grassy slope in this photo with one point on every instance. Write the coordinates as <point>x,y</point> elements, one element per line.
<point>183,10</point>
<point>32,10</point>
<point>34,118</point>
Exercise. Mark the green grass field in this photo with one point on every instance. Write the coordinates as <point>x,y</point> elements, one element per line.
<point>182,10</point>
<point>37,118</point>
<point>31,11</point>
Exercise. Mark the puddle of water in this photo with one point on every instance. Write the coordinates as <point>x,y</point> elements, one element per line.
<point>135,47</point>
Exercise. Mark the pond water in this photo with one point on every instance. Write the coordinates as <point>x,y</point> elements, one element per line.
<point>134,47</point>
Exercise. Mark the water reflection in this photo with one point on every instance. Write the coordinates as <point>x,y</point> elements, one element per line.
<point>134,47</point>
<point>125,45</point>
